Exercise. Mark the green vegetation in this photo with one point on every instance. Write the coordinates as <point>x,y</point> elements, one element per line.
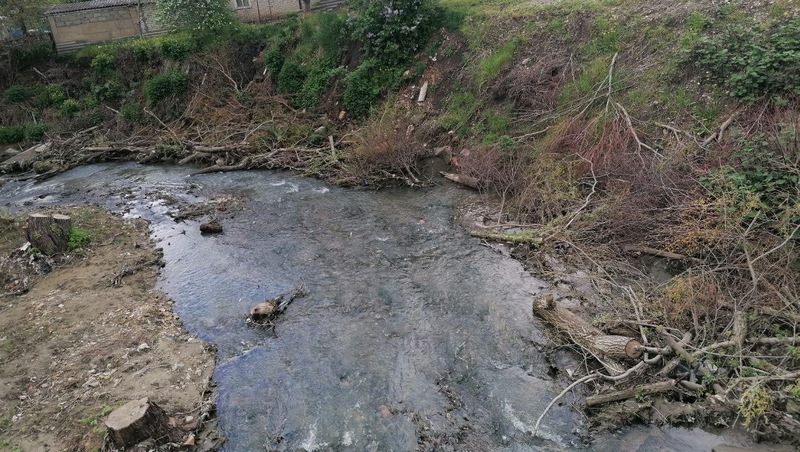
<point>171,84</point>
<point>77,239</point>
<point>202,18</point>
<point>752,63</point>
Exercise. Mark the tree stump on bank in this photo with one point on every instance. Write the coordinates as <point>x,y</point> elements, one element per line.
<point>49,233</point>
<point>137,421</point>
<point>606,348</point>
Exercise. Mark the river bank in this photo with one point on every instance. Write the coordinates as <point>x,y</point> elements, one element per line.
<point>86,332</point>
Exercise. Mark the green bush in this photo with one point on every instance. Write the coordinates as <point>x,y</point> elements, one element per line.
<point>77,239</point>
<point>69,107</point>
<point>392,31</point>
<point>131,113</point>
<point>751,63</point>
<point>178,48</point>
<point>11,134</point>
<point>49,95</point>
<point>35,131</point>
<point>160,87</point>
<point>17,93</point>
<point>25,56</point>
<point>331,36</point>
<point>365,85</point>
<point>291,78</point>
<point>317,83</point>
<point>108,90</point>
<point>103,63</point>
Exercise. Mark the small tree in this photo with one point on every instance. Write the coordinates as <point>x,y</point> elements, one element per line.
<point>391,30</point>
<point>198,17</point>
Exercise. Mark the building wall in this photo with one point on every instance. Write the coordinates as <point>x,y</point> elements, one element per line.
<point>75,29</point>
<point>264,10</point>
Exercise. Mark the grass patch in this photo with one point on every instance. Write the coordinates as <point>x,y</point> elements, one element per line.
<point>491,66</point>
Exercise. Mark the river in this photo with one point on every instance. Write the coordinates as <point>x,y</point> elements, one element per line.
<point>411,336</point>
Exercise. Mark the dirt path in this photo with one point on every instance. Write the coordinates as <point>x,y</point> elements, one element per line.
<point>76,346</point>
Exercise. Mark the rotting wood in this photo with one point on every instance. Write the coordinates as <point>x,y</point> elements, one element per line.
<point>636,391</point>
<point>462,179</point>
<point>606,348</point>
<point>49,233</point>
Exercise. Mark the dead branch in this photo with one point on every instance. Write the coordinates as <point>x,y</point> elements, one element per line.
<point>717,135</point>
<point>659,253</point>
<point>637,391</point>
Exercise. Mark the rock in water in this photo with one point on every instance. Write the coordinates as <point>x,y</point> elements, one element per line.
<point>212,226</point>
<point>137,421</point>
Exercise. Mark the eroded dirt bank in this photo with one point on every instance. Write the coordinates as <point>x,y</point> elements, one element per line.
<point>91,334</point>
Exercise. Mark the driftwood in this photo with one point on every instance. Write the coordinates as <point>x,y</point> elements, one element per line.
<point>462,179</point>
<point>137,421</point>
<point>267,311</point>
<point>606,348</point>
<point>49,233</point>
<point>653,388</point>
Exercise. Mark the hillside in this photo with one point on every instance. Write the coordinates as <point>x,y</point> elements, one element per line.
<point>601,131</point>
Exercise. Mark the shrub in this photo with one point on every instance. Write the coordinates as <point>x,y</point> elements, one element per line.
<point>391,30</point>
<point>35,131</point>
<point>49,95</point>
<point>291,77</point>
<point>178,48</point>
<point>11,134</point>
<point>198,17</point>
<point>103,63</point>
<point>365,85</point>
<point>317,83</point>
<point>25,56</point>
<point>105,91</point>
<point>160,87</point>
<point>749,63</point>
<point>331,36</point>
<point>131,113</point>
<point>70,107</point>
<point>17,93</point>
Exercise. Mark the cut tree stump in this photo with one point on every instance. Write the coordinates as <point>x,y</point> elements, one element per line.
<point>606,348</point>
<point>49,233</point>
<point>137,421</point>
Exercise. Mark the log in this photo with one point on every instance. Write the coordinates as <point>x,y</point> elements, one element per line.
<point>653,388</point>
<point>462,179</point>
<point>606,348</point>
<point>49,234</point>
<point>137,421</point>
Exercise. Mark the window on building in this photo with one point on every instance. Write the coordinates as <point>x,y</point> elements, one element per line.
<point>242,3</point>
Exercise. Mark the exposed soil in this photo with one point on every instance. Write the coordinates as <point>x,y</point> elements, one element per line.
<point>91,335</point>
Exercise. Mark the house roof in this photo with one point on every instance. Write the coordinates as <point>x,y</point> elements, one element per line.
<point>92,4</point>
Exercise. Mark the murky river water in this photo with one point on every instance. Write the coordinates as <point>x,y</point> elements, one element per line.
<point>411,331</point>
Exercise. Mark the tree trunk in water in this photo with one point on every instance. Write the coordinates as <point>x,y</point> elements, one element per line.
<point>49,234</point>
<point>606,348</point>
<point>137,421</point>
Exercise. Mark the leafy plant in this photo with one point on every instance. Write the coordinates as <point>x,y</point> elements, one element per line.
<point>392,30</point>
<point>199,17</point>
<point>366,84</point>
<point>754,403</point>
<point>77,239</point>
<point>750,63</point>
<point>160,87</point>
<point>11,134</point>
<point>17,93</point>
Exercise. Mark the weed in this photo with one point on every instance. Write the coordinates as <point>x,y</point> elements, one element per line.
<point>491,66</point>
<point>751,64</point>
<point>77,239</point>
<point>755,402</point>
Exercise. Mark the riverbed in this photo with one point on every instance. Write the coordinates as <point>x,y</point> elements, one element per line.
<point>412,335</point>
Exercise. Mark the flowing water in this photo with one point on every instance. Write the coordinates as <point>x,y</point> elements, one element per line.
<point>411,332</point>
